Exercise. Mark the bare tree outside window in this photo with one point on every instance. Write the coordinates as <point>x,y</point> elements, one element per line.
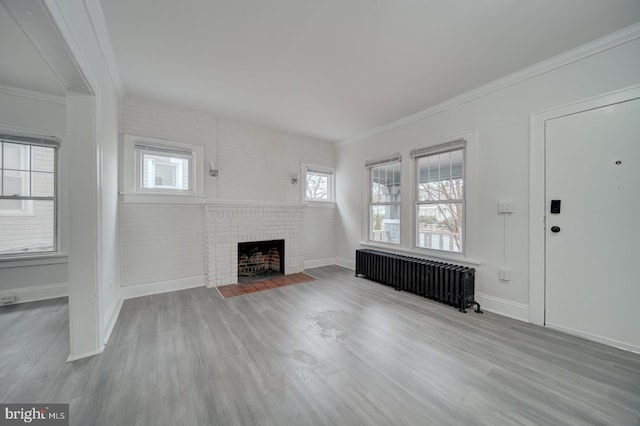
<point>318,183</point>
<point>385,199</point>
<point>440,205</point>
<point>317,187</point>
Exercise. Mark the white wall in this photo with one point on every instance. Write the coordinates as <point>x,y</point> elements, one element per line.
<point>25,111</point>
<point>254,163</point>
<point>161,242</point>
<point>94,270</point>
<point>36,114</point>
<point>319,235</point>
<point>164,242</point>
<point>501,122</point>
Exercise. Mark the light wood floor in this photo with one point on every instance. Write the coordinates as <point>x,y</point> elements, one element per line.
<point>336,351</point>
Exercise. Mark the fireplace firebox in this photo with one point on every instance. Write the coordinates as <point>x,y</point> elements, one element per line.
<point>258,259</point>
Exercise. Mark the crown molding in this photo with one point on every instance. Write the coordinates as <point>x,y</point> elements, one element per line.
<point>99,27</point>
<point>32,94</point>
<point>602,44</point>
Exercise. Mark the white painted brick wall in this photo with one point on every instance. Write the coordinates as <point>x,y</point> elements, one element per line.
<point>254,163</point>
<point>144,117</point>
<point>303,149</point>
<point>161,242</point>
<point>228,224</point>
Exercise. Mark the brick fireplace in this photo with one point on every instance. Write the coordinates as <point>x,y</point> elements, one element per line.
<point>231,222</point>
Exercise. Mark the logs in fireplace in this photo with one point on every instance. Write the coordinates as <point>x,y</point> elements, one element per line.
<point>260,258</point>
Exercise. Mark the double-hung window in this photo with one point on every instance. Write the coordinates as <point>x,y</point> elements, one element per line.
<point>440,198</point>
<point>318,183</point>
<point>384,199</point>
<point>28,197</point>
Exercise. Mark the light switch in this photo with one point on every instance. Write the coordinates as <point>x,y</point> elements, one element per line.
<point>505,207</point>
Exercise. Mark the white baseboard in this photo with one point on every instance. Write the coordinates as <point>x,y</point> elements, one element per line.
<point>130,292</point>
<point>346,263</point>
<point>42,292</point>
<point>594,338</point>
<point>76,357</point>
<point>316,263</point>
<point>504,307</point>
<point>110,319</point>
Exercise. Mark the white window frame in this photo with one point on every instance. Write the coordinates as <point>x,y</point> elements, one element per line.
<point>319,170</point>
<point>369,166</point>
<point>27,201</point>
<point>25,209</point>
<point>132,189</point>
<point>408,232</point>
<point>432,150</point>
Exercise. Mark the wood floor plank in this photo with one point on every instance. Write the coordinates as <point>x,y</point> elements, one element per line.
<point>339,350</point>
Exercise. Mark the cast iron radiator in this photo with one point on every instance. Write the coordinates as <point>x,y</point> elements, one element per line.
<point>443,282</point>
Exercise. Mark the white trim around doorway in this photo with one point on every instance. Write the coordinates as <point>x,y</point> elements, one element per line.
<point>537,189</point>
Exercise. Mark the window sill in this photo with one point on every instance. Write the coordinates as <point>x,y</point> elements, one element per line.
<point>444,257</point>
<point>16,213</point>
<point>155,198</point>
<point>320,204</point>
<point>17,261</point>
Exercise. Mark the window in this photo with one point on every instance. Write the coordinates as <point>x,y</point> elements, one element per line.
<point>164,169</point>
<point>384,199</point>
<point>28,200</point>
<point>318,184</point>
<point>440,200</point>
<point>161,171</point>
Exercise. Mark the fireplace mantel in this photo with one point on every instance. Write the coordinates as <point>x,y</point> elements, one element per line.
<point>229,222</point>
<point>255,204</point>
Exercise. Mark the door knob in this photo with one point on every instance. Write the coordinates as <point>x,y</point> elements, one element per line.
<point>555,229</point>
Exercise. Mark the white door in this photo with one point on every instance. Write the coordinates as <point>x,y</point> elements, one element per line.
<point>592,258</point>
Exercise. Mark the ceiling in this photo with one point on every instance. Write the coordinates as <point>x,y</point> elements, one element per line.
<point>21,65</point>
<point>328,69</point>
<point>336,68</point>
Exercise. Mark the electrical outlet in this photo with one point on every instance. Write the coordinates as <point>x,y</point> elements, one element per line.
<point>8,299</point>
<point>505,274</point>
